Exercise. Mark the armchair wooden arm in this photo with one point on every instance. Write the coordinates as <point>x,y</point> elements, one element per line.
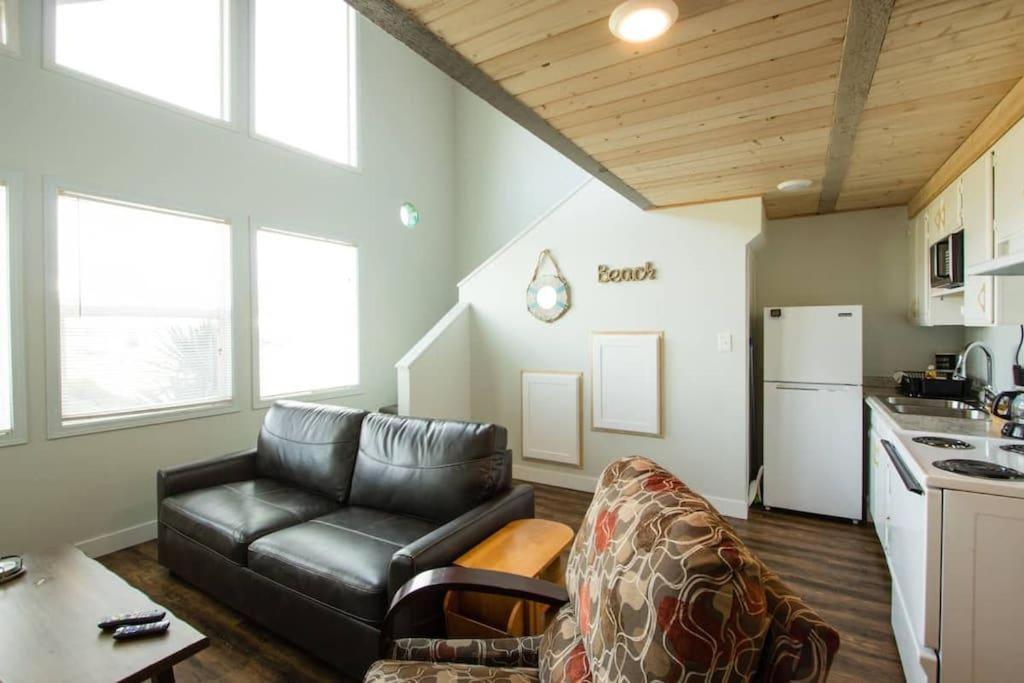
<point>430,584</point>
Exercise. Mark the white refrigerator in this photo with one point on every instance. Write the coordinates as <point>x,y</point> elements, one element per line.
<point>813,410</point>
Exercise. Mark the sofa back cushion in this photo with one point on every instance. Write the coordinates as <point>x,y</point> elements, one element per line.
<point>434,469</point>
<point>310,445</point>
<point>662,587</point>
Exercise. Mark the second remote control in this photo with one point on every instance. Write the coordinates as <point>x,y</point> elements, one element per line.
<point>142,630</point>
<point>131,619</point>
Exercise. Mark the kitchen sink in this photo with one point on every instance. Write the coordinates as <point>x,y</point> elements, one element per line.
<point>931,403</point>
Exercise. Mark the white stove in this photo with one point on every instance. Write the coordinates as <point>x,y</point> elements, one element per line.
<point>991,454</point>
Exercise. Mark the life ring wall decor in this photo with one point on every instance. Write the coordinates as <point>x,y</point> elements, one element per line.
<point>547,297</point>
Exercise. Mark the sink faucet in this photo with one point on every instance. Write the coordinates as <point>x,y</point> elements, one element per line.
<point>961,366</point>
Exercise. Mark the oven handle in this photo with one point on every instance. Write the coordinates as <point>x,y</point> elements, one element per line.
<point>901,468</point>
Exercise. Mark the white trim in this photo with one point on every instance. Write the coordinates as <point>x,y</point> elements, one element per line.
<point>14,182</point>
<point>565,480</point>
<point>427,340</point>
<point>728,507</point>
<point>12,48</point>
<point>104,544</point>
<point>224,121</point>
<point>259,401</point>
<point>355,110</point>
<point>508,245</point>
<point>55,425</point>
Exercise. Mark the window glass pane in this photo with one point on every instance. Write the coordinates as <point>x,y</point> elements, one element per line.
<point>4,28</point>
<point>308,314</point>
<point>145,308</point>
<point>304,81</point>
<point>6,382</point>
<point>169,49</point>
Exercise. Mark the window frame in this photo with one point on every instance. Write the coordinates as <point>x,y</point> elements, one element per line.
<point>55,425</point>
<point>355,101</point>
<point>259,401</point>
<point>227,69</point>
<point>12,48</point>
<point>14,182</point>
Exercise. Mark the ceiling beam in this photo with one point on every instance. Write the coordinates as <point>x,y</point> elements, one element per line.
<point>1002,118</point>
<point>865,32</point>
<point>405,27</point>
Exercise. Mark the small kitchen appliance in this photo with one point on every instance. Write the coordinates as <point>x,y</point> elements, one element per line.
<point>1009,406</point>
<point>947,261</point>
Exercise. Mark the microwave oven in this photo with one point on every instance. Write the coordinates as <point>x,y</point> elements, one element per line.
<point>947,261</point>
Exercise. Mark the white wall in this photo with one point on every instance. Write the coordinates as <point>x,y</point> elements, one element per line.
<point>1003,342</point>
<point>434,377</point>
<point>700,290</point>
<point>856,257</point>
<point>506,178</point>
<point>76,488</point>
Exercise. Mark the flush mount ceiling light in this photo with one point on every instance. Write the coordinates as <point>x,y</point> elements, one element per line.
<point>637,21</point>
<point>794,185</point>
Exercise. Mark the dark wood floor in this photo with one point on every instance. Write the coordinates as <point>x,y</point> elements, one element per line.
<point>837,567</point>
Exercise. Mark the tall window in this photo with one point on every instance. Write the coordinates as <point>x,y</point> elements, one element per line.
<point>145,309</point>
<point>172,50</point>
<point>8,25</point>
<point>304,76</point>
<point>307,299</point>
<point>6,361</point>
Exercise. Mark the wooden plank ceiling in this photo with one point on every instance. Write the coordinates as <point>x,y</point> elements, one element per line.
<point>741,94</point>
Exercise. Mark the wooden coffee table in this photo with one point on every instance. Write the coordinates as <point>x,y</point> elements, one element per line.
<point>527,547</point>
<point>48,619</point>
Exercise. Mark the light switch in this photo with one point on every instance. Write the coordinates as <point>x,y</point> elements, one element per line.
<point>724,342</point>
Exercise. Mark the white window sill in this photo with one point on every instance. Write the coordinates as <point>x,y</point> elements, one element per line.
<point>59,429</point>
<point>317,395</point>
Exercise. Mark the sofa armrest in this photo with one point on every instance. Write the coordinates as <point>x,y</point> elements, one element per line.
<point>205,473</point>
<point>442,546</point>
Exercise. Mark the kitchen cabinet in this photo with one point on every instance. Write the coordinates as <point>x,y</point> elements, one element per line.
<point>878,487</point>
<point>1008,191</point>
<point>975,187</point>
<point>980,618</point>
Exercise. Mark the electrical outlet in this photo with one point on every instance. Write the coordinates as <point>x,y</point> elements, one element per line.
<point>724,342</point>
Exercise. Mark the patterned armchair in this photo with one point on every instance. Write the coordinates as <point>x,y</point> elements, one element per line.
<point>659,588</point>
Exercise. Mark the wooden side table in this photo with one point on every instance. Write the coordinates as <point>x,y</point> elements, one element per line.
<point>527,547</point>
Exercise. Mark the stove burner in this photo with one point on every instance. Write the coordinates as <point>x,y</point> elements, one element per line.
<point>979,468</point>
<point>1014,448</point>
<point>943,442</point>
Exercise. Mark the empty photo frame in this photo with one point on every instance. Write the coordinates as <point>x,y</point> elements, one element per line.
<point>626,382</point>
<point>552,417</point>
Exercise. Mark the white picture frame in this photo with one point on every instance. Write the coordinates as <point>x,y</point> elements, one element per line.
<point>627,383</point>
<point>552,416</point>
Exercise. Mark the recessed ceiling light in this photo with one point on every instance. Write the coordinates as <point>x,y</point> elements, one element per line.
<point>794,185</point>
<point>637,21</point>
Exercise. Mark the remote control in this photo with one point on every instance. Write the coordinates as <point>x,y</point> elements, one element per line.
<point>131,619</point>
<point>141,630</point>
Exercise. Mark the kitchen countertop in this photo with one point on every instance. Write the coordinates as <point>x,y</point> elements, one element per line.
<point>982,435</point>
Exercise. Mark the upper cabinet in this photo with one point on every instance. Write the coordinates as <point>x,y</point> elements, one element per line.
<point>1008,191</point>
<point>987,203</point>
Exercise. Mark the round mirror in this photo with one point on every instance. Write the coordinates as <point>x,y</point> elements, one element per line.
<point>547,297</point>
<point>409,215</point>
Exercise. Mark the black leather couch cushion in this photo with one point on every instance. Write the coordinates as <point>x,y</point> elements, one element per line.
<point>341,559</point>
<point>311,445</point>
<point>227,518</point>
<point>434,469</point>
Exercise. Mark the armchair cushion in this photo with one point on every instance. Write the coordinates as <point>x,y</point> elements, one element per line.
<point>227,518</point>
<point>563,658</point>
<point>435,469</point>
<point>340,559</point>
<point>662,586</point>
<point>310,445</point>
<point>391,671</point>
<point>514,652</point>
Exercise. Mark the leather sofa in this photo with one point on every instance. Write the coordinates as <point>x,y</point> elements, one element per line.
<point>312,533</point>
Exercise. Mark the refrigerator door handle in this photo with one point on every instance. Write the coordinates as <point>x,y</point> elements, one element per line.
<point>782,388</point>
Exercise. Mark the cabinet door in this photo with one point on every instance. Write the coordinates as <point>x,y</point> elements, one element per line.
<point>975,188</point>
<point>981,597</point>
<point>922,283</point>
<point>878,487</point>
<point>1008,187</point>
